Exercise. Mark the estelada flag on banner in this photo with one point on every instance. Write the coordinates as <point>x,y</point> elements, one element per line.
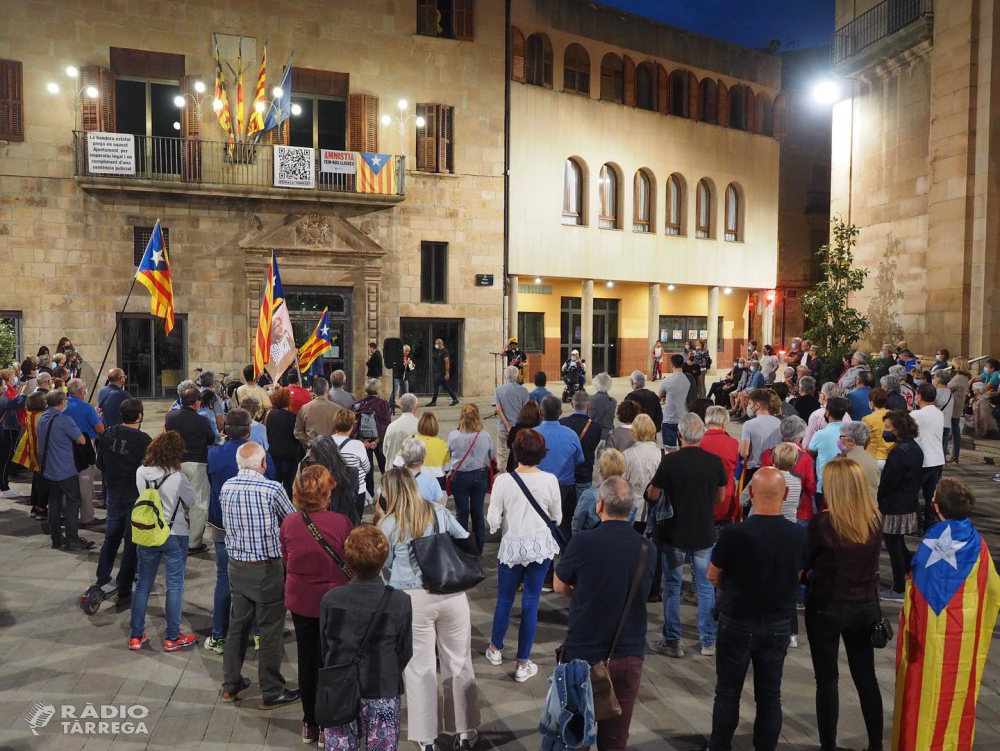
<point>318,343</point>
<point>945,628</point>
<point>154,274</point>
<point>376,173</point>
<point>274,347</point>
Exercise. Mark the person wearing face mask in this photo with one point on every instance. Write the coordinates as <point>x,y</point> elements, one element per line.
<point>990,376</point>
<point>794,355</point>
<point>941,360</point>
<point>888,359</point>
<point>930,424</point>
<point>898,495</point>
<point>90,424</point>
<point>442,373</point>
<point>825,444</point>
<point>854,438</point>
<point>10,429</point>
<point>761,432</point>
<point>755,380</point>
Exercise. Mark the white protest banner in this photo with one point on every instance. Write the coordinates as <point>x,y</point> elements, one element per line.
<point>294,167</point>
<point>339,162</point>
<point>111,153</point>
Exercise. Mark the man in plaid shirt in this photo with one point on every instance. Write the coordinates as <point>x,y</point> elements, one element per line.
<point>252,510</point>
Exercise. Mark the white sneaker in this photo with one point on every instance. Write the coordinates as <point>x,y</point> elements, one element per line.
<point>526,671</point>
<point>793,641</point>
<point>10,493</point>
<point>708,651</point>
<point>494,656</point>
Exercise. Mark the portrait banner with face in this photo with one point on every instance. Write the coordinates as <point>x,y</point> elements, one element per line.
<point>282,349</point>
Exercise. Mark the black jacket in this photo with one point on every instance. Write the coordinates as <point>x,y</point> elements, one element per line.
<point>374,364</point>
<point>577,423</point>
<point>899,488</point>
<point>119,455</point>
<point>345,613</point>
<point>649,403</point>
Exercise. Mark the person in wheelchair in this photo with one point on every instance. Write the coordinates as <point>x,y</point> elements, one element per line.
<point>574,372</point>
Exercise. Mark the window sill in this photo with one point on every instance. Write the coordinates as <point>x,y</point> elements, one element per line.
<point>446,41</point>
<point>610,229</point>
<point>577,226</point>
<point>423,173</point>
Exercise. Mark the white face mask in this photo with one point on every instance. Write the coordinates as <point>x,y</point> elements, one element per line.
<point>751,412</point>
<point>939,358</point>
<point>437,346</point>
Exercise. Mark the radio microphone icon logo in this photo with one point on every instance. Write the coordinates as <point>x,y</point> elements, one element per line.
<point>39,715</point>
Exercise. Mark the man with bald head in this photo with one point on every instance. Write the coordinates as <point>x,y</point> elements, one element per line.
<point>756,565</point>
<point>110,398</point>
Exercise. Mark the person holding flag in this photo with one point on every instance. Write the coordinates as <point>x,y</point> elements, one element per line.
<point>945,629</point>
<point>274,348</point>
<point>317,343</point>
<point>154,274</point>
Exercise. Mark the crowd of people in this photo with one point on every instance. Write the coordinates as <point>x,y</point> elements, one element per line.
<point>279,484</point>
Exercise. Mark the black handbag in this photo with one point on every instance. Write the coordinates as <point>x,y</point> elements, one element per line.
<point>446,564</point>
<point>84,455</point>
<point>338,689</point>
<point>554,530</point>
<point>882,632</point>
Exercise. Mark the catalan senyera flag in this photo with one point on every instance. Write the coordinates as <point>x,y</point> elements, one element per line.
<point>240,114</point>
<point>154,274</point>
<point>945,628</point>
<point>376,173</point>
<point>26,453</point>
<point>274,349</point>
<point>256,116</point>
<point>317,343</point>
<point>221,95</point>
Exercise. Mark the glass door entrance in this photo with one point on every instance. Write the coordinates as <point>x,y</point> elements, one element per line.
<point>420,334</point>
<point>305,306</point>
<point>154,363</point>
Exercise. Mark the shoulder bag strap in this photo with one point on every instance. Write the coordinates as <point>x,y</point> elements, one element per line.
<point>371,624</point>
<point>586,428</point>
<point>631,595</point>
<point>45,447</point>
<point>560,538</point>
<point>326,546</point>
<point>177,506</point>
<point>468,451</point>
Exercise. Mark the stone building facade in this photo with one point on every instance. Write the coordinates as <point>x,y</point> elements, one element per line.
<point>402,264</point>
<point>644,186</point>
<point>914,167</point>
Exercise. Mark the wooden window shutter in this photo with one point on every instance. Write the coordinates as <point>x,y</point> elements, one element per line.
<point>446,139</point>
<point>546,62</point>
<point>11,101</point>
<point>779,116</point>
<point>517,55</point>
<point>190,129</point>
<point>629,98</point>
<point>98,114</point>
<point>427,23</point>
<point>569,77</point>
<point>723,94</point>
<point>692,92</point>
<point>462,20</point>
<point>662,89</point>
<point>750,102</point>
<point>427,138</point>
<point>362,123</point>
<point>280,136</point>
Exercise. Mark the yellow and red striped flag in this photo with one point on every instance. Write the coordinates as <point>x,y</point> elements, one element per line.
<point>222,97</point>
<point>257,111</point>
<point>274,349</point>
<point>317,343</point>
<point>945,629</point>
<point>26,453</point>
<point>240,115</point>
<point>376,173</point>
<point>154,274</point>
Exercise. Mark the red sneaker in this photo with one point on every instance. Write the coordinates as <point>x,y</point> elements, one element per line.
<point>135,643</point>
<point>182,640</point>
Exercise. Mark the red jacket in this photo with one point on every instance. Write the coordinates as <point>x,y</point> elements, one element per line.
<point>310,572</point>
<point>727,448</point>
<point>805,470</point>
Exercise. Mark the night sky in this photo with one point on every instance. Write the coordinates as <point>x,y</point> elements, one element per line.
<point>797,24</point>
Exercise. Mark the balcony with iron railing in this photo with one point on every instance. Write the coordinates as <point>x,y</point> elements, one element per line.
<point>881,32</point>
<point>190,166</point>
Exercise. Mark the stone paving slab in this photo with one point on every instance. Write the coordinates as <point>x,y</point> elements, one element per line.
<point>51,652</point>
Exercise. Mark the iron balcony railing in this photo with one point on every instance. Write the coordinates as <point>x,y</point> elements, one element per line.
<point>883,20</point>
<point>219,164</point>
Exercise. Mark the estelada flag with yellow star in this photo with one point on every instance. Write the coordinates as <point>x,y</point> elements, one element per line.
<point>317,343</point>
<point>274,349</point>
<point>154,274</point>
<point>376,173</point>
<point>945,628</point>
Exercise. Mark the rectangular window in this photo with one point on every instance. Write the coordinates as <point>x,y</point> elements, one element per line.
<point>451,19</point>
<point>435,138</point>
<point>676,330</point>
<point>146,109</point>
<point>433,272</point>
<point>15,318</point>
<point>322,123</point>
<point>11,101</point>
<point>531,332</point>
<point>140,239</point>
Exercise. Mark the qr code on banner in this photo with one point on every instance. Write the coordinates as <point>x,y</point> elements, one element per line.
<point>294,167</point>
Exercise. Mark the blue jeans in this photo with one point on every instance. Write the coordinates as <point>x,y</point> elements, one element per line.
<point>956,437</point>
<point>398,388</point>
<point>669,431</point>
<point>741,642</point>
<point>469,489</point>
<point>118,529</point>
<point>581,488</point>
<point>508,577</point>
<point>673,573</point>
<point>174,553</point>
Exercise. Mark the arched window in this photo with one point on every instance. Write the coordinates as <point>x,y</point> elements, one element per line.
<point>642,215</point>
<point>732,214</point>
<point>645,86</point>
<point>572,212</point>
<point>675,206</point>
<point>763,114</point>
<point>576,70</point>
<point>517,55</point>
<point>708,100</point>
<point>703,210</point>
<point>737,108</point>
<point>608,186</point>
<point>538,61</point>
<point>679,93</point>
<point>779,116</point>
<point>612,78</point>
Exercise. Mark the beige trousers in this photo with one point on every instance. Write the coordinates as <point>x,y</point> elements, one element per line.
<point>443,620</point>
<point>87,494</point>
<point>197,475</point>
<point>502,451</point>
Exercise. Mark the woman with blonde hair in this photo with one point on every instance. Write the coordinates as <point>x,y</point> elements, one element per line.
<point>437,459</point>
<point>641,461</point>
<point>844,545</point>
<point>585,516</point>
<point>442,620</point>
<point>312,545</point>
<point>472,454</point>
<point>959,387</point>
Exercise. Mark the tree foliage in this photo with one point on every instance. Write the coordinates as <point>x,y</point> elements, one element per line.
<point>835,326</point>
<point>8,343</point>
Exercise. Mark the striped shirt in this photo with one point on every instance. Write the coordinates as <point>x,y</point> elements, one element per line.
<point>253,508</point>
<point>355,455</point>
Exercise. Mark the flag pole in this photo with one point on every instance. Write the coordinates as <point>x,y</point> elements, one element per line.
<point>118,323</point>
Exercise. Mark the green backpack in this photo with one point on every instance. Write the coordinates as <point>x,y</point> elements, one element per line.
<point>148,526</point>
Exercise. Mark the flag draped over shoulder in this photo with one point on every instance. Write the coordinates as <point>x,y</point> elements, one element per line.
<point>154,274</point>
<point>317,343</point>
<point>256,112</point>
<point>376,173</point>
<point>26,453</point>
<point>222,96</point>
<point>952,598</point>
<point>274,349</point>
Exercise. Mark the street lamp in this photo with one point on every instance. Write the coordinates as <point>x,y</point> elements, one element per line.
<point>78,94</point>
<point>402,119</point>
<point>181,101</point>
<point>826,91</point>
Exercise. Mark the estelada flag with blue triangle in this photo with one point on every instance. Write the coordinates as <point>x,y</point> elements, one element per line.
<point>376,173</point>
<point>945,628</point>
<point>154,274</point>
<point>318,342</point>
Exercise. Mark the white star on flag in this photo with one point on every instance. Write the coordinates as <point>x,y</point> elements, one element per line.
<point>157,257</point>
<point>376,160</point>
<point>943,548</point>
<point>325,331</point>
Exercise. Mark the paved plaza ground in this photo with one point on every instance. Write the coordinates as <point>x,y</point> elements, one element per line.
<point>51,652</point>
